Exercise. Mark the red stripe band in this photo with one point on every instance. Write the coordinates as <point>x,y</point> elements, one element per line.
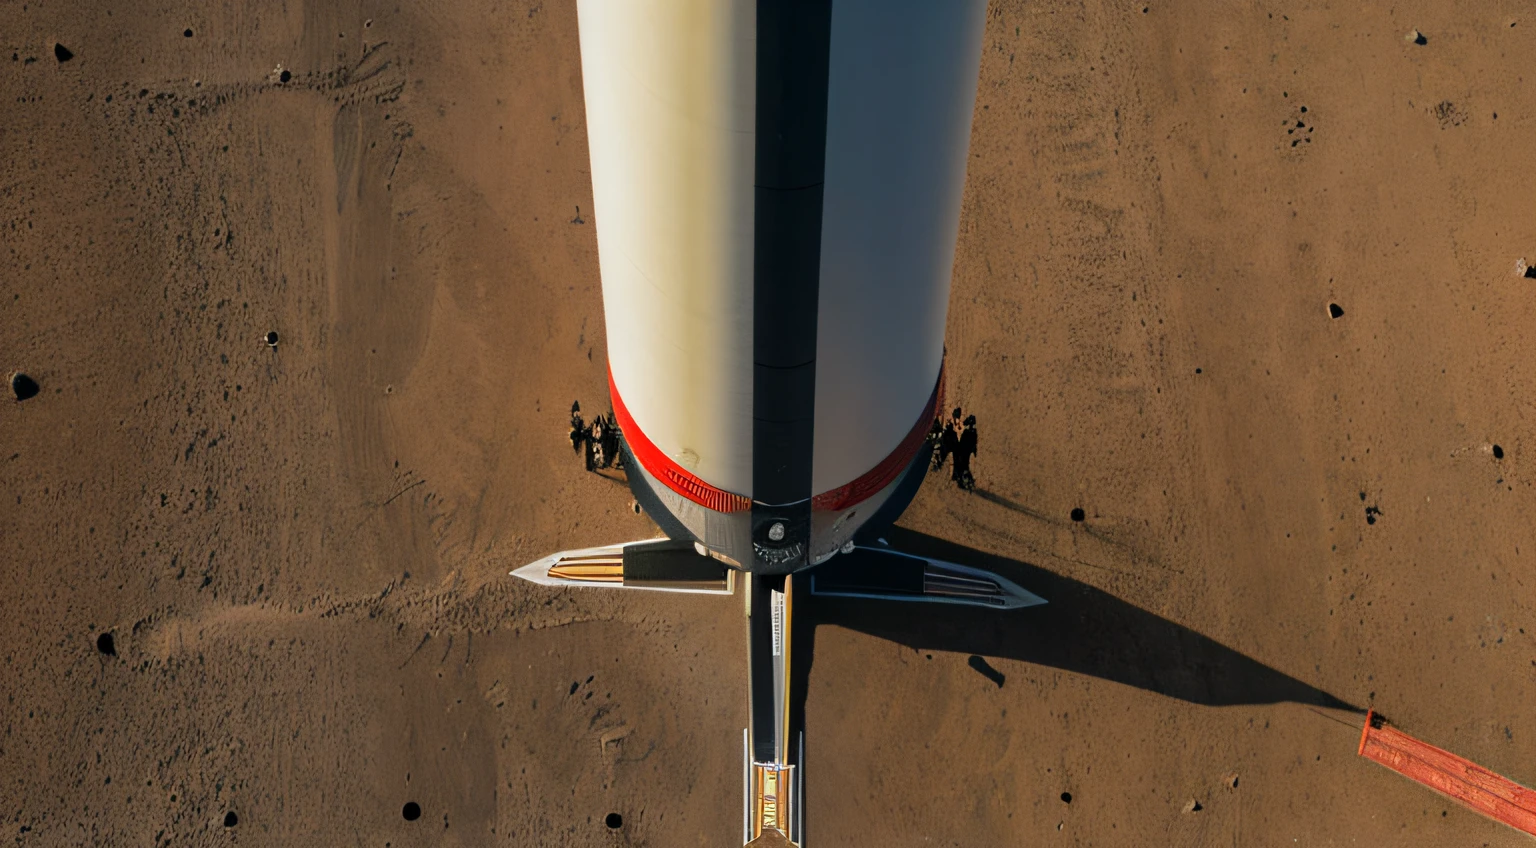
<point>892,466</point>
<point>684,483</point>
<point>672,475</point>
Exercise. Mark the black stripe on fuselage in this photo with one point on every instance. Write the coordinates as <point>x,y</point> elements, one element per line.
<point>793,40</point>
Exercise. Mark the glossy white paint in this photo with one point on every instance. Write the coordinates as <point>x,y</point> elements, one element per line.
<point>669,88</point>
<point>901,89</point>
<point>670,116</point>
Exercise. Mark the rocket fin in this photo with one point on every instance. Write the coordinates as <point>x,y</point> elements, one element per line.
<point>884,574</point>
<point>660,565</point>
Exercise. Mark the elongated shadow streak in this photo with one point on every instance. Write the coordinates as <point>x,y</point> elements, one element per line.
<point>1006,503</point>
<point>612,475</point>
<point>1082,629</point>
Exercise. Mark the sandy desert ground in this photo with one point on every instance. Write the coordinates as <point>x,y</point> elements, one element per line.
<point>300,553</point>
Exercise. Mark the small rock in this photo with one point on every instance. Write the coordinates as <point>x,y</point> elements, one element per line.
<point>1230,780</point>
<point>1521,268</point>
<point>1193,806</point>
<point>24,387</point>
<point>1415,37</point>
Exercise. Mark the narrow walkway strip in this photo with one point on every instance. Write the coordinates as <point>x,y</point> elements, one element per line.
<point>1462,781</point>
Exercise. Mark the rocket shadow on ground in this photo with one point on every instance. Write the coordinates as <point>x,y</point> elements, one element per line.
<point>1080,629</point>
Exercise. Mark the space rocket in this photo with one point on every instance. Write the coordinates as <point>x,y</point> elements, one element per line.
<point>776,190</point>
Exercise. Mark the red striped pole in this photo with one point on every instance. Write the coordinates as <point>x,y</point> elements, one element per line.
<point>1464,782</point>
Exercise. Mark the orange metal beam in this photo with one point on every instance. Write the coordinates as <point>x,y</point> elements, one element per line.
<point>1465,782</point>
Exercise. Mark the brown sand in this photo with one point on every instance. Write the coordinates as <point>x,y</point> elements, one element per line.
<point>301,553</point>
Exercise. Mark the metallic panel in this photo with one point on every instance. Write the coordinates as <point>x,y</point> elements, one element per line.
<point>792,43</point>
<point>902,86</point>
<point>670,116</point>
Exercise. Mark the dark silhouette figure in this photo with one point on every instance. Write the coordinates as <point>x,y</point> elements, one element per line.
<point>965,448</point>
<point>599,440</point>
<point>602,443</point>
<point>949,439</point>
<point>612,456</point>
<point>935,437</point>
<point>595,457</point>
<point>578,426</point>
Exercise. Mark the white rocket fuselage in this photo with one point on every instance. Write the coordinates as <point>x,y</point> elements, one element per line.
<point>776,208</point>
<point>777,189</point>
